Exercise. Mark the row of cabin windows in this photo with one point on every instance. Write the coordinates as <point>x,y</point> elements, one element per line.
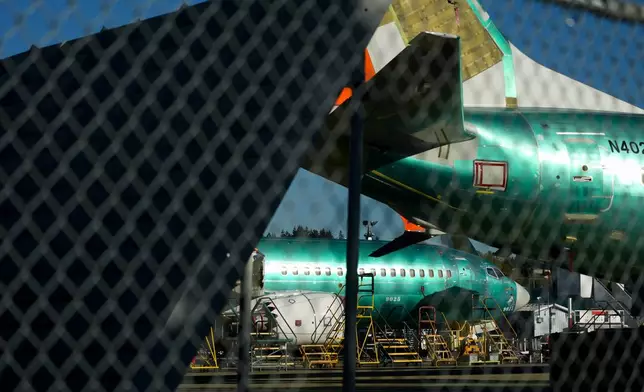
<point>383,272</point>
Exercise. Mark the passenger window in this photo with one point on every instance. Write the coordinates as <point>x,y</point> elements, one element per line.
<point>422,273</point>
<point>383,272</point>
<point>361,271</point>
<point>431,273</point>
<point>327,271</point>
<point>449,273</point>
<point>318,272</point>
<point>284,270</point>
<point>295,271</point>
<point>340,272</point>
<point>440,273</point>
<point>402,272</point>
<point>412,273</point>
<point>307,271</point>
<point>373,271</point>
<point>392,272</point>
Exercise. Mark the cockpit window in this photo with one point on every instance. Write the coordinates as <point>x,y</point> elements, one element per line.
<point>499,273</point>
<point>490,271</point>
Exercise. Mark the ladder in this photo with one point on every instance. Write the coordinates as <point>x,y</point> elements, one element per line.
<point>367,353</point>
<point>438,349</point>
<point>494,335</point>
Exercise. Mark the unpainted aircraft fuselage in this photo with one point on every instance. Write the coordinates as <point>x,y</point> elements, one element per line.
<point>534,181</point>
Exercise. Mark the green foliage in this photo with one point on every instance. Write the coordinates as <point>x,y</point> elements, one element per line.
<point>303,231</point>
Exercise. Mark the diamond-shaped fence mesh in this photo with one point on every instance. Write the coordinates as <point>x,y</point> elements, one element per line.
<point>141,166</point>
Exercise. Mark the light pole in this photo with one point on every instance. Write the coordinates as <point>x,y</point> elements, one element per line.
<point>369,236</point>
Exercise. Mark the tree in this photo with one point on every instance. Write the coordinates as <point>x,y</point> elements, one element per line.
<point>340,235</point>
<point>306,232</point>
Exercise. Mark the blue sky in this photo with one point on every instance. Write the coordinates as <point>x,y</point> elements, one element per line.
<point>604,54</point>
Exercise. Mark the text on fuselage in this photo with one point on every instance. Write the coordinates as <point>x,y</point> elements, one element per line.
<point>626,147</point>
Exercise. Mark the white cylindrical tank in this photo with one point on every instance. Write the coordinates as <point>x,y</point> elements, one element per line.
<point>303,317</point>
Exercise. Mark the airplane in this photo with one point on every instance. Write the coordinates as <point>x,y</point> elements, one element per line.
<point>561,184</point>
<point>301,279</point>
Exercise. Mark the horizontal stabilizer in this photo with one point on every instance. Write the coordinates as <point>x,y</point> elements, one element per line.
<point>406,239</point>
<point>411,105</point>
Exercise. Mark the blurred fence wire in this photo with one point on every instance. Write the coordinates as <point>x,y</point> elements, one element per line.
<point>140,166</point>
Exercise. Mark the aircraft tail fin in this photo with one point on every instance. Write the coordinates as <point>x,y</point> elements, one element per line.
<point>413,104</point>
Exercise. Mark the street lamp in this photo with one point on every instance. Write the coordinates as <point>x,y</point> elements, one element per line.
<point>369,226</point>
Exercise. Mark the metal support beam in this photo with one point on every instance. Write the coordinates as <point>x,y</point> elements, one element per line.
<point>243,339</point>
<point>353,231</point>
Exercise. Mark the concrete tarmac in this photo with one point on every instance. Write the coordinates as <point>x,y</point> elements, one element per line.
<point>489,378</point>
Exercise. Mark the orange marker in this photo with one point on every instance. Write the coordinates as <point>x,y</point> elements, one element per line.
<point>369,73</point>
<point>412,226</point>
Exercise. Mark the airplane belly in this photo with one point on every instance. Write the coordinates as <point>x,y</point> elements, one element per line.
<point>455,185</point>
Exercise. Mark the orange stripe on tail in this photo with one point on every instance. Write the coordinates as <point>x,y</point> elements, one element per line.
<point>369,72</point>
<point>412,226</point>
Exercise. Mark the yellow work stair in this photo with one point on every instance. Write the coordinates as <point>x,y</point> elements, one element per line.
<point>206,358</point>
<point>439,351</point>
<point>317,355</point>
<point>398,351</point>
<point>325,354</point>
<point>494,335</point>
<point>437,347</point>
<point>367,353</point>
<point>270,355</point>
<point>498,341</point>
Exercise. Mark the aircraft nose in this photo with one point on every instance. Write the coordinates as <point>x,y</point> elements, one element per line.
<point>523,297</point>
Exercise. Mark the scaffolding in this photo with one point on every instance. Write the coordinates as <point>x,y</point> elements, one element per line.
<point>494,338</point>
<point>373,344</point>
<point>438,350</point>
<point>206,358</point>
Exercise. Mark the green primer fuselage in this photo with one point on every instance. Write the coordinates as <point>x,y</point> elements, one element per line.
<point>574,181</point>
<point>424,275</point>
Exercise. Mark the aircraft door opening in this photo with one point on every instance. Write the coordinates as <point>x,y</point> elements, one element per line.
<point>591,188</point>
<point>464,274</point>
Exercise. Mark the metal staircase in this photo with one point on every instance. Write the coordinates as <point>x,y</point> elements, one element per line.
<point>603,315</point>
<point>495,338</point>
<point>398,351</point>
<point>437,347</point>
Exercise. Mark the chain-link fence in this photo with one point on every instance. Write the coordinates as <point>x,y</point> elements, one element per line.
<point>143,160</point>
